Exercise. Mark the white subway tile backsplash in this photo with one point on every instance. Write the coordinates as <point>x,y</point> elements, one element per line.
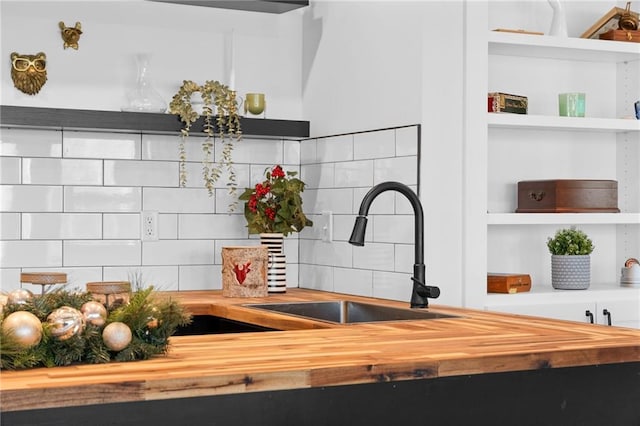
<point>10,170</point>
<point>316,277</point>
<point>354,174</point>
<point>407,141</point>
<point>375,256</point>
<point>369,145</point>
<point>79,277</point>
<point>30,198</point>
<point>30,143</point>
<point>353,281</point>
<point>9,279</point>
<point>80,211</point>
<point>337,200</point>
<point>195,180</point>
<point>383,204</point>
<point>207,226</point>
<point>121,226</point>
<point>393,228</point>
<point>100,145</point>
<point>162,278</point>
<point>291,151</point>
<point>140,173</point>
<point>102,199</point>
<point>329,254</point>
<point>61,226</point>
<point>394,286</point>
<point>251,150</point>
<point>9,226</point>
<point>319,175</point>
<point>335,148</point>
<point>291,248</point>
<point>308,151</point>
<point>203,277</point>
<point>342,227</point>
<point>178,252</point>
<point>103,252</point>
<point>228,203</point>
<point>178,200</point>
<point>26,254</point>
<point>166,147</point>
<point>399,169</point>
<point>403,205</point>
<point>53,171</point>
<point>405,258</point>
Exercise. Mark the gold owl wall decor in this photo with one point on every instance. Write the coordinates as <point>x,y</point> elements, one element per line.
<point>29,72</point>
<point>70,35</point>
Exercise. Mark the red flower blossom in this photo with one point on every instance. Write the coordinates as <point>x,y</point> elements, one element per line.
<point>270,213</point>
<point>253,204</point>
<point>277,172</point>
<point>275,204</point>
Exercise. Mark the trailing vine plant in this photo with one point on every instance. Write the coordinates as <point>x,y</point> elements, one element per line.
<point>225,125</point>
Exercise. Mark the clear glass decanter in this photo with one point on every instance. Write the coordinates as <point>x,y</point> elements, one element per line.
<point>144,98</point>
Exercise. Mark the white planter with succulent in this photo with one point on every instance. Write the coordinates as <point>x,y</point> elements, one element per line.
<point>570,259</point>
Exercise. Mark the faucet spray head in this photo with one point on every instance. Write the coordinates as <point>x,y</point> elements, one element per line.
<point>359,229</point>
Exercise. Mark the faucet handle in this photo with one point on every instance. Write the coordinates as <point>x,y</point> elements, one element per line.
<point>426,290</point>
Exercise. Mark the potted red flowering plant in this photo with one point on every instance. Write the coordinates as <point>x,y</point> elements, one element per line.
<point>275,205</point>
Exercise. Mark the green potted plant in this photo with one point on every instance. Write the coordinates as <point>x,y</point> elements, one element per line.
<point>275,204</point>
<point>570,250</point>
<point>273,209</point>
<point>226,127</point>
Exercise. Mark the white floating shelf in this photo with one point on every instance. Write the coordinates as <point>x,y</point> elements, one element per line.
<point>546,122</point>
<point>567,48</point>
<point>563,218</point>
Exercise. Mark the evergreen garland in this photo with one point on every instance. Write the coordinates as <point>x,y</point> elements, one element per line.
<point>152,321</point>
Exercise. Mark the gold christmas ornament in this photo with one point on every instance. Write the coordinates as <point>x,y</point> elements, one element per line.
<point>94,313</point>
<point>152,320</point>
<point>116,336</point>
<point>65,322</point>
<point>29,72</point>
<point>19,296</point>
<point>25,327</point>
<point>70,35</point>
<point>3,302</point>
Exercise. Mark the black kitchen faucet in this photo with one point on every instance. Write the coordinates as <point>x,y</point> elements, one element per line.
<point>421,292</point>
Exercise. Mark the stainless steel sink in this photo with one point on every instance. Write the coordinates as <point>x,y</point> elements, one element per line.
<point>347,312</point>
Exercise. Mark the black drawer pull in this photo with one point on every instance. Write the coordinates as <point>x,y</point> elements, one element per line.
<point>589,314</point>
<point>607,314</point>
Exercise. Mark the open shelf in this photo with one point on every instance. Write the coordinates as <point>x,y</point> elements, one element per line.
<point>563,218</point>
<point>545,122</point>
<point>564,48</point>
<point>75,119</point>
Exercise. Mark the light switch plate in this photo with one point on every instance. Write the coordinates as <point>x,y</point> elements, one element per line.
<point>327,226</point>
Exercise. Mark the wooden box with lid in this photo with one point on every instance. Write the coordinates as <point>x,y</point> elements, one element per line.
<point>568,196</point>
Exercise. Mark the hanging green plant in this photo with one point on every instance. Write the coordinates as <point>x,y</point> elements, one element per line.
<point>225,125</point>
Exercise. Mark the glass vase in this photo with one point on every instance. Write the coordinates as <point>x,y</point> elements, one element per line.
<point>143,97</point>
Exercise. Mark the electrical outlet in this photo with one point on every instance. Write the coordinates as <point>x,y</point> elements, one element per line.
<point>149,226</point>
<point>327,226</point>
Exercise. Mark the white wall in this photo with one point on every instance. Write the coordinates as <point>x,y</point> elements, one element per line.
<point>375,64</point>
<point>185,42</point>
<point>362,65</point>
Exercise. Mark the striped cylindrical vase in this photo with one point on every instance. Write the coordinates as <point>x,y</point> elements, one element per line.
<point>277,273</point>
<point>277,268</point>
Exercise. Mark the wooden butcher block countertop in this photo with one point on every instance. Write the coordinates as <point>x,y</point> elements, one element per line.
<point>315,354</point>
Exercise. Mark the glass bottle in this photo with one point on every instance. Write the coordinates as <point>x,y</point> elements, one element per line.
<point>144,98</point>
